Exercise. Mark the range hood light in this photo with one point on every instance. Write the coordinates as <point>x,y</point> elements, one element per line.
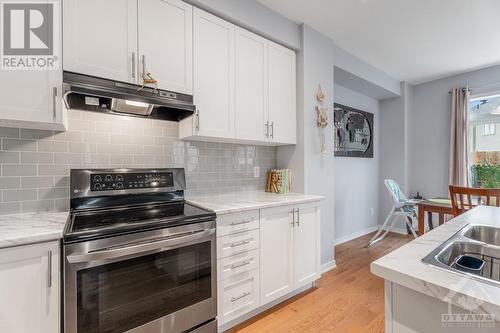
<point>137,104</point>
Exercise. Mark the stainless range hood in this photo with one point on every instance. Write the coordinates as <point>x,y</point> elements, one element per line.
<point>91,93</point>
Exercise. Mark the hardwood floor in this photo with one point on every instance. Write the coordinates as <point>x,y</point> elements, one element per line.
<point>346,299</point>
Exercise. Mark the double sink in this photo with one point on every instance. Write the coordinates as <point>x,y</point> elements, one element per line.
<point>474,251</point>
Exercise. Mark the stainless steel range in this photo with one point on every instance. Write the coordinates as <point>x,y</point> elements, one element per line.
<point>137,257</point>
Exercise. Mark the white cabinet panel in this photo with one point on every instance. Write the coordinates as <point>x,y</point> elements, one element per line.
<point>213,75</point>
<point>235,243</point>
<point>29,285</point>
<point>282,91</point>
<point>251,105</point>
<point>32,98</point>
<point>238,295</point>
<point>165,41</point>
<point>100,38</point>
<point>276,253</point>
<point>306,240</point>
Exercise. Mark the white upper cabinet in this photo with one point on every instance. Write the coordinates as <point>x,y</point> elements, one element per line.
<point>29,285</point>
<point>282,92</point>
<point>251,104</point>
<point>213,75</point>
<point>32,98</point>
<point>100,38</point>
<point>165,41</point>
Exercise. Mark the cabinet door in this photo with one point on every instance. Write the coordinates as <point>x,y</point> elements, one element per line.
<point>251,106</point>
<point>43,107</point>
<point>276,253</point>
<point>165,41</point>
<point>100,38</point>
<point>213,75</point>
<point>29,285</point>
<point>282,101</point>
<point>306,251</point>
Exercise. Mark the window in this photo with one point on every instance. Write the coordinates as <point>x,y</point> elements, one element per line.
<point>489,129</point>
<point>484,141</point>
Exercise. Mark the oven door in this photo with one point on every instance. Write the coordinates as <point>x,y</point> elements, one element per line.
<point>156,282</point>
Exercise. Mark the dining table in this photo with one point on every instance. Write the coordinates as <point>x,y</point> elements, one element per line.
<point>440,206</point>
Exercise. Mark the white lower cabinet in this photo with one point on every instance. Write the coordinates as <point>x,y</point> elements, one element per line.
<point>238,295</point>
<point>276,252</point>
<point>29,287</point>
<point>264,255</point>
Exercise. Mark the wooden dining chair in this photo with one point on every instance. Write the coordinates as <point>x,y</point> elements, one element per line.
<point>465,198</point>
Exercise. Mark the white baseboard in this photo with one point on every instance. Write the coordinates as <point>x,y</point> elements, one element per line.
<point>401,231</point>
<point>356,234</point>
<point>366,231</point>
<point>327,266</point>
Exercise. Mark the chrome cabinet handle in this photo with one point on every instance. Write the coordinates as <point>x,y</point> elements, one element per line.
<point>143,66</point>
<point>140,247</point>
<point>267,129</point>
<point>244,263</point>
<point>298,217</point>
<point>133,65</point>
<point>240,243</point>
<point>198,121</point>
<point>240,223</point>
<point>234,299</point>
<point>54,101</point>
<point>293,218</point>
<point>272,129</point>
<point>49,269</point>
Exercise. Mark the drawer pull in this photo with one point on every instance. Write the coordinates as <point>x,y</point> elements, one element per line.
<point>241,243</point>
<point>244,263</point>
<point>240,223</point>
<point>234,299</point>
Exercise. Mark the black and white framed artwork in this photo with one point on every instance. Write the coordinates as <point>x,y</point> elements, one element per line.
<point>353,132</point>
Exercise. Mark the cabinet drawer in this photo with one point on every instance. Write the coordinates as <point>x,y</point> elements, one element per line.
<point>229,245</point>
<point>238,295</point>
<point>237,222</point>
<point>238,263</point>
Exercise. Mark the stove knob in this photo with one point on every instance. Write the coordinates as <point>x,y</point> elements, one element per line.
<point>119,178</point>
<point>119,185</point>
<point>154,184</point>
<point>97,186</point>
<point>97,178</point>
<point>108,178</point>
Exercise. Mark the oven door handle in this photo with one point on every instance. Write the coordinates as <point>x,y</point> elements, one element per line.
<point>139,247</point>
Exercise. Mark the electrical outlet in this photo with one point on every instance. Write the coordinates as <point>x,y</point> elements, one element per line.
<point>256,172</point>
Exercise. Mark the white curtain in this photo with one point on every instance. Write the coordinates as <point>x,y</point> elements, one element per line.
<point>459,159</point>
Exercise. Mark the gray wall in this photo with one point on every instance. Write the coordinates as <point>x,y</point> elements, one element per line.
<point>394,147</point>
<point>429,128</point>
<point>35,164</point>
<point>357,180</point>
<point>314,171</point>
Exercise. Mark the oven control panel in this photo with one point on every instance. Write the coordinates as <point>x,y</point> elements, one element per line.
<point>125,181</point>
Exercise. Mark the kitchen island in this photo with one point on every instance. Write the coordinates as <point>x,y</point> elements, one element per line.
<point>423,298</point>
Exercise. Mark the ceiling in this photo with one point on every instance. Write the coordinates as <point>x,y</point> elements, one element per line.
<point>411,40</point>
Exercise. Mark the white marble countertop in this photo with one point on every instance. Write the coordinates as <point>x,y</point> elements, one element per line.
<point>241,201</point>
<point>21,229</point>
<point>404,267</point>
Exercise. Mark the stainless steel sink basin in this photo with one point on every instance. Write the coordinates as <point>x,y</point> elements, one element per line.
<point>483,233</point>
<point>476,241</point>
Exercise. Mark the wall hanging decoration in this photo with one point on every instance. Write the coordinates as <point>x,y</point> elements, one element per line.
<point>322,113</point>
<point>353,132</point>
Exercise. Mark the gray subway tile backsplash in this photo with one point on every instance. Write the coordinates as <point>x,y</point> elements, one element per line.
<point>35,164</point>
